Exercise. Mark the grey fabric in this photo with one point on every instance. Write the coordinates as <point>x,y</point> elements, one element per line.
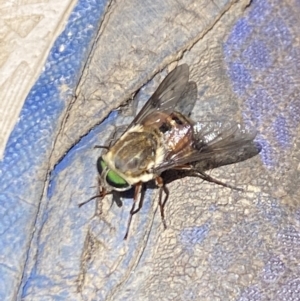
<point>220,244</point>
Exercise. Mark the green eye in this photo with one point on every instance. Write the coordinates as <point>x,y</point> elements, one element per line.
<point>101,165</point>
<point>114,180</point>
<point>111,177</point>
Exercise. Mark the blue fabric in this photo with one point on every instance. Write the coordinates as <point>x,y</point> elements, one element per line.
<point>21,182</point>
<point>262,56</point>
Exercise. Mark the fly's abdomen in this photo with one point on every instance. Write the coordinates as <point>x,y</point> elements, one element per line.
<point>179,134</point>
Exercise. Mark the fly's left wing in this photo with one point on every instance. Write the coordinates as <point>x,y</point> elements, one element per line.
<point>214,144</point>
<point>167,95</point>
<point>188,99</point>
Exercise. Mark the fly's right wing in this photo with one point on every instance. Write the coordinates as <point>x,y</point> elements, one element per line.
<point>224,143</point>
<point>213,144</point>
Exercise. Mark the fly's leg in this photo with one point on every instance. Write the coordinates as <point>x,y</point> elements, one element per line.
<point>137,192</point>
<point>199,173</point>
<point>208,178</point>
<point>102,194</point>
<point>117,198</point>
<point>162,188</point>
<point>141,202</point>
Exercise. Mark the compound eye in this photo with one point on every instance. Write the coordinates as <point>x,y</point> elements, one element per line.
<point>101,165</point>
<point>117,182</point>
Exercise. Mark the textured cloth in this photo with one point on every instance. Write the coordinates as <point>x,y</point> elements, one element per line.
<point>220,244</point>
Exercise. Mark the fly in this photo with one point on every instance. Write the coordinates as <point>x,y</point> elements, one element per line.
<point>163,137</point>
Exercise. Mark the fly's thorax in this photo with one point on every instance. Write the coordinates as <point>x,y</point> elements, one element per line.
<point>136,153</point>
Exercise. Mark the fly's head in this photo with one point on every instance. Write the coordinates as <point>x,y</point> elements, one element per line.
<point>131,159</point>
<point>110,179</point>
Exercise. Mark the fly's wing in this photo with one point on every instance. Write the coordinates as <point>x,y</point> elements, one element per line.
<point>214,144</point>
<point>188,99</point>
<point>167,95</point>
<point>223,143</point>
<point>228,156</point>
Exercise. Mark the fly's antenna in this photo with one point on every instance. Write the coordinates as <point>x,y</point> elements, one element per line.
<point>101,146</point>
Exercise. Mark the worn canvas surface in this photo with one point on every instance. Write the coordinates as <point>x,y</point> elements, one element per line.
<point>220,244</point>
